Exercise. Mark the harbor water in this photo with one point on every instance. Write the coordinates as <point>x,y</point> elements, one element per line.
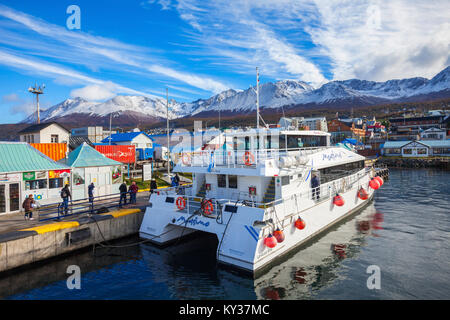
<point>404,234</point>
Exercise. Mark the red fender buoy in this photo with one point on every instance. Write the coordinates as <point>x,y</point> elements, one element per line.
<point>270,241</point>
<point>338,200</point>
<point>380,180</point>
<point>362,194</point>
<point>374,184</point>
<point>279,235</point>
<point>300,223</point>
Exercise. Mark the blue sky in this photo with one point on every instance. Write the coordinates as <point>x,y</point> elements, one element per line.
<point>199,48</point>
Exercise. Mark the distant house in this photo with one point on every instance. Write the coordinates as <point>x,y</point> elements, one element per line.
<point>93,134</point>
<point>341,130</point>
<point>409,128</point>
<point>433,134</point>
<point>49,132</point>
<point>422,148</point>
<point>137,139</point>
<point>318,123</point>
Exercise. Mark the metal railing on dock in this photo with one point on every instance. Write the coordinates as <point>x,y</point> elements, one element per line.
<point>98,204</point>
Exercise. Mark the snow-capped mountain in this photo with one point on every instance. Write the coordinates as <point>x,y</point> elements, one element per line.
<point>285,93</point>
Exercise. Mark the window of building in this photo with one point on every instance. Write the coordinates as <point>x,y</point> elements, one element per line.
<point>54,138</point>
<point>36,184</point>
<point>422,151</point>
<point>407,151</point>
<point>232,182</point>
<point>55,183</point>
<point>221,181</point>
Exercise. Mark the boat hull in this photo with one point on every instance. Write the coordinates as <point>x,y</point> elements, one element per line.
<point>239,232</point>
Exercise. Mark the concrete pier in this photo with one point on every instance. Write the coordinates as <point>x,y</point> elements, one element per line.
<point>25,242</point>
<point>25,246</point>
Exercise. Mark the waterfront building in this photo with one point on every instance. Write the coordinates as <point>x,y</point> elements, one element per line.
<point>409,128</point>
<point>23,171</point>
<point>88,165</point>
<point>295,123</point>
<point>138,139</point>
<point>417,148</point>
<point>433,134</point>
<point>94,134</point>
<point>48,132</point>
<point>341,130</point>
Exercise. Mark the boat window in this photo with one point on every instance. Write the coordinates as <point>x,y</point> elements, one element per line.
<point>247,143</point>
<point>282,144</point>
<point>337,172</point>
<point>232,182</point>
<point>284,180</point>
<point>221,181</point>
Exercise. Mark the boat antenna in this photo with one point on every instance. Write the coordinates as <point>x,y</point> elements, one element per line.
<point>168,139</point>
<point>257,98</point>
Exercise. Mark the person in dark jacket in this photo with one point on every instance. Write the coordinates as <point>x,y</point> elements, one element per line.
<point>153,186</point>
<point>28,206</point>
<point>65,195</point>
<point>91,188</point>
<point>133,189</point>
<point>315,183</point>
<point>123,194</point>
<point>177,180</point>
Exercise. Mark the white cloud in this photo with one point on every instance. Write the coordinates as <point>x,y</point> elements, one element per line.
<point>369,39</point>
<point>10,98</point>
<point>381,40</point>
<point>94,92</point>
<point>24,108</point>
<point>70,46</point>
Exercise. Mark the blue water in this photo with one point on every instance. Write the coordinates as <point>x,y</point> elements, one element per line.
<point>405,232</point>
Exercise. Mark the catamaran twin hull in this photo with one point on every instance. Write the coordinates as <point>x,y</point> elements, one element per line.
<point>242,229</point>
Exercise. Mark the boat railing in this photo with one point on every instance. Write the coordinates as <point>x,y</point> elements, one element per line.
<point>241,158</point>
<point>321,193</point>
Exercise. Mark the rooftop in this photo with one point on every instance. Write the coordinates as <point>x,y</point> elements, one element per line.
<point>21,157</point>
<point>40,126</point>
<point>86,156</point>
<point>125,136</point>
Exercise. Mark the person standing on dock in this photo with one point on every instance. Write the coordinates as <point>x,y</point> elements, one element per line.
<point>153,186</point>
<point>123,194</point>
<point>65,195</point>
<point>28,206</point>
<point>91,188</point>
<point>133,191</point>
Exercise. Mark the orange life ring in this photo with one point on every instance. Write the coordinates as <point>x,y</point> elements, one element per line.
<point>181,203</point>
<point>249,159</point>
<point>208,207</point>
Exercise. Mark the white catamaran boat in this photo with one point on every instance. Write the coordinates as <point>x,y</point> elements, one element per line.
<point>255,193</point>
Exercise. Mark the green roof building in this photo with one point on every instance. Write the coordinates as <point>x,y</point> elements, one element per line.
<point>23,171</point>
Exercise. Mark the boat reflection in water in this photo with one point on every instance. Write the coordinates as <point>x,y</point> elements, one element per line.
<point>190,270</point>
<point>319,265</point>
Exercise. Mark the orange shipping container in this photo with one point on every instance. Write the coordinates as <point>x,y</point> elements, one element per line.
<point>55,151</point>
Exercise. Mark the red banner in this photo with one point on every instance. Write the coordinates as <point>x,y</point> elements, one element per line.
<point>124,154</point>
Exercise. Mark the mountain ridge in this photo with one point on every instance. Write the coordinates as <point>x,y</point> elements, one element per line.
<point>280,94</point>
